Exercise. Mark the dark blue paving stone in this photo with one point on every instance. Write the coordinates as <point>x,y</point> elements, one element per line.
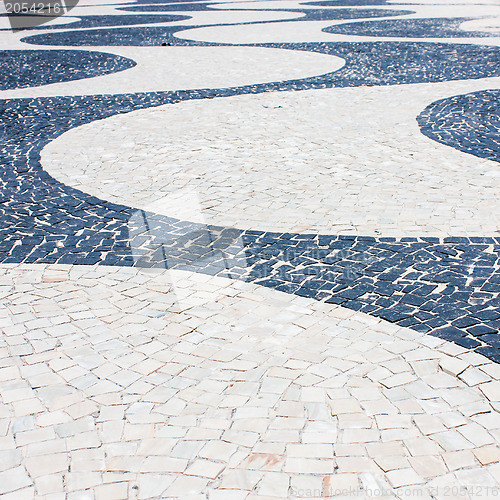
<point>413,300</point>
<point>469,123</point>
<point>421,328</point>
<point>489,314</point>
<point>465,322</point>
<point>492,338</point>
<point>449,333</point>
<point>480,330</point>
<point>488,287</point>
<point>30,68</point>
<point>408,322</point>
<point>467,343</point>
<point>408,28</point>
<point>391,315</point>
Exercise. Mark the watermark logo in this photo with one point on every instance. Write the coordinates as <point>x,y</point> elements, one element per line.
<point>24,14</point>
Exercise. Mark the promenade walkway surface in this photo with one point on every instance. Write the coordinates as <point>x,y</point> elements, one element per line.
<point>251,250</point>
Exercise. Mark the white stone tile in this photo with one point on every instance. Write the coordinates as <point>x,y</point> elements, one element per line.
<point>218,450</point>
<point>308,466</point>
<point>151,485</point>
<point>403,477</point>
<point>487,454</point>
<point>428,466</point>
<point>14,479</point>
<point>274,484</point>
<point>186,485</point>
<point>205,468</point>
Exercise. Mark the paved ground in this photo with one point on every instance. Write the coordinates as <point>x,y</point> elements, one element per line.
<point>251,251</point>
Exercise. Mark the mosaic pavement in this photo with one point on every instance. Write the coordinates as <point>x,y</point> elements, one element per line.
<point>250,250</point>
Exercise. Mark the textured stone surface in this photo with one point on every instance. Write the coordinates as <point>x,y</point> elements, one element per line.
<point>408,28</point>
<point>162,382</point>
<point>226,337</point>
<point>262,145</point>
<point>97,231</point>
<point>31,68</point>
<point>467,122</point>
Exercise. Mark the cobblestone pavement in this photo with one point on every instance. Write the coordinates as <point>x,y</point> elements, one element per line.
<point>250,250</point>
